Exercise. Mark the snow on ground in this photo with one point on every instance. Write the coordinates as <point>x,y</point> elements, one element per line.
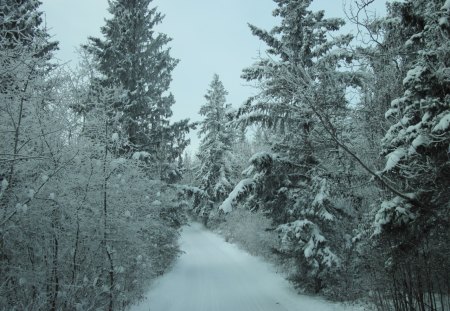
<point>213,275</point>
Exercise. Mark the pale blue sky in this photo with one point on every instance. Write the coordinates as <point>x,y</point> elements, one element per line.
<point>209,36</point>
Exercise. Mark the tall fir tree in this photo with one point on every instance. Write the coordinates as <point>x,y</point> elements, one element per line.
<point>135,59</point>
<point>215,175</point>
<point>412,229</point>
<point>302,96</point>
<point>22,34</point>
<point>21,24</point>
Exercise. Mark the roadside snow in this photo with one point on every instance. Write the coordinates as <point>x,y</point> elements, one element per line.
<point>213,275</point>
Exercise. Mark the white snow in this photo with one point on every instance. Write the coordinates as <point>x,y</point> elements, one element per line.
<point>320,198</point>
<point>77,160</point>
<point>213,275</point>
<point>227,205</point>
<point>414,38</point>
<point>443,124</point>
<point>420,140</point>
<point>3,187</point>
<point>329,258</point>
<point>309,249</point>
<point>115,137</point>
<point>297,232</point>
<point>261,157</point>
<point>156,203</point>
<point>391,111</point>
<point>4,184</point>
<point>140,155</point>
<point>322,194</point>
<point>414,74</point>
<point>396,211</point>
<point>117,162</point>
<point>446,5</point>
<point>22,208</point>
<point>31,193</point>
<point>393,158</point>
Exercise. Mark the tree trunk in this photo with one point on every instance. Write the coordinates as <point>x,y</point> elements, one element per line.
<point>55,279</point>
<point>105,220</point>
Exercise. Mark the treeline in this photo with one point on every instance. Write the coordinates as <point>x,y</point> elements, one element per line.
<point>350,158</point>
<point>87,216</point>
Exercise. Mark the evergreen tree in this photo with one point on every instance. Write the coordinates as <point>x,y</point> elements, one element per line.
<point>302,96</point>
<point>21,24</point>
<point>385,63</point>
<point>23,39</point>
<point>134,58</point>
<point>215,175</point>
<point>415,225</point>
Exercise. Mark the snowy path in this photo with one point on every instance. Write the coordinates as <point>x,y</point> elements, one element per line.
<point>213,275</point>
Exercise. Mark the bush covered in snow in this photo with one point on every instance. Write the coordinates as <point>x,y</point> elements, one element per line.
<point>252,231</point>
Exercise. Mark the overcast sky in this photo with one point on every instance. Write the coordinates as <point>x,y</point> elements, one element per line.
<point>209,36</point>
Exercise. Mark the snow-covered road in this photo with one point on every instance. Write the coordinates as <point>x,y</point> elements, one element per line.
<point>213,275</point>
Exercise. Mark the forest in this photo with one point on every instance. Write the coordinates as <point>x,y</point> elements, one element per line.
<point>337,171</point>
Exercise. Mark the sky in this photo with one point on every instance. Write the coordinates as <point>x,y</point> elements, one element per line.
<point>209,36</point>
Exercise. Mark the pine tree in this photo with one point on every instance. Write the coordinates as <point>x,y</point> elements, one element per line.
<point>302,96</point>
<point>416,145</point>
<point>21,24</point>
<point>134,58</point>
<point>416,224</point>
<point>215,175</point>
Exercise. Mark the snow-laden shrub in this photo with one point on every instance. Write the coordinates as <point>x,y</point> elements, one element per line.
<point>252,231</point>
<point>303,240</point>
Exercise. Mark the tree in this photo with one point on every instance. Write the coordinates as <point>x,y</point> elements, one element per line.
<point>25,94</point>
<point>135,59</point>
<point>416,226</point>
<point>302,92</point>
<point>25,51</point>
<point>21,24</point>
<point>216,172</point>
<point>60,177</point>
<point>138,226</point>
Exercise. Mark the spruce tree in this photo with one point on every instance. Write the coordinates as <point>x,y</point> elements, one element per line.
<point>215,175</point>
<point>21,24</point>
<point>415,225</point>
<point>135,59</point>
<point>302,94</point>
<point>22,36</point>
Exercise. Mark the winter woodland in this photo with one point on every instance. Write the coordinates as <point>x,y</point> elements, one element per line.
<point>337,171</point>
